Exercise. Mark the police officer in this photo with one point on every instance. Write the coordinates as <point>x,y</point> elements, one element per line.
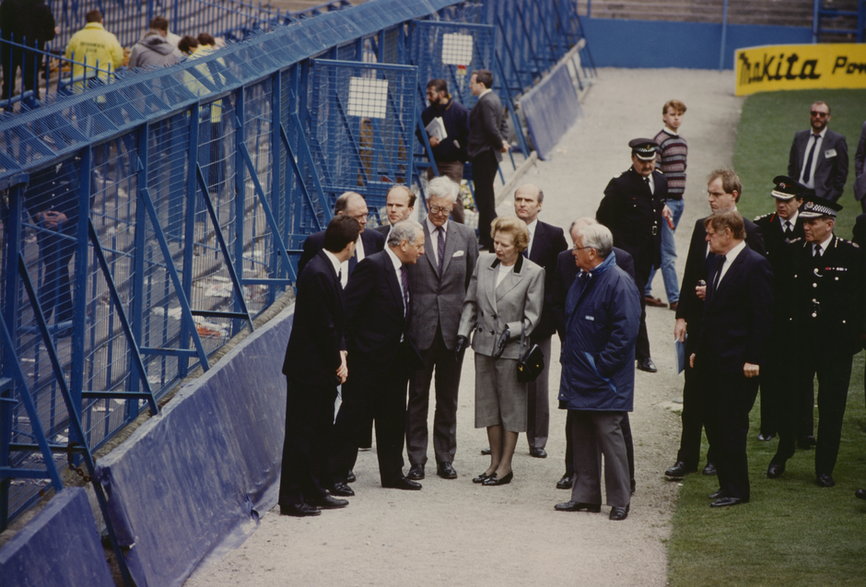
<point>825,310</point>
<point>777,230</point>
<point>633,208</point>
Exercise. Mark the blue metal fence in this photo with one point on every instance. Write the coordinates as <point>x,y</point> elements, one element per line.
<point>148,220</point>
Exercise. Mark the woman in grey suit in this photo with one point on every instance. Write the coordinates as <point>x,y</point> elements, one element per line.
<point>505,296</point>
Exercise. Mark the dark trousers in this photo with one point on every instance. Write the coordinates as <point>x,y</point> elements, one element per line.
<point>729,398</point>
<point>593,435</point>
<point>378,392</point>
<point>447,368</point>
<point>484,168</point>
<point>693,419</point>
<point>569,444</point>
<point>833,369</point>
<point>538,402</point>
<point>772,378</point>
<point>55,292</point>
<point>307,446</point>
<point>13,58</point>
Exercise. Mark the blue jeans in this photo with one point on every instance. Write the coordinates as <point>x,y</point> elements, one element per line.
<point>669,256</point>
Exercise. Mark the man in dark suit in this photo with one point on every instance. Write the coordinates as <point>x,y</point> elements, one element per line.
<point>633,208</point>
<point>723,193</point>
<point>819,156</point>
<point>860,169</point>
<point>399,206</point>
<point>314,365</point>
<point>350,204</point>
<point>563,276</point>
<point>378,306</point>
<point>824,301</point>
<point>777,230</point>
<point>730,349</point>
<point>545,243</point>
<point>438,285</point>
<point>487,142</point>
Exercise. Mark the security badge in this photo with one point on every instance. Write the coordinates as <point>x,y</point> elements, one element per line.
<point>829,153</point>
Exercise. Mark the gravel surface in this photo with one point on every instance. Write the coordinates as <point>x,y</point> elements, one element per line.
<point>455,532</point>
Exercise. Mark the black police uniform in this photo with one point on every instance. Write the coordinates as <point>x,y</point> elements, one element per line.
<point>824,309</point>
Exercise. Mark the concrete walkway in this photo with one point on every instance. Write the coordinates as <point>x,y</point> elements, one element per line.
<point>457,533</point>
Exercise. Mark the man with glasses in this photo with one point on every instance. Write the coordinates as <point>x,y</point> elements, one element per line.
<point>350,204</point>
<point>819,156</point>
<point>438,285</point>
<point>723,192</point>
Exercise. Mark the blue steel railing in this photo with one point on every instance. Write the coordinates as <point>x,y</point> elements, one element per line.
<point>148,220</point>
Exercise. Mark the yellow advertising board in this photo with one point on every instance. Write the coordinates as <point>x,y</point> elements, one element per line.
<point>800,67</point>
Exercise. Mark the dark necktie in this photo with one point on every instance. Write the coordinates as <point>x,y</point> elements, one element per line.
<point>718,275</point>
<point>440,247</point>
<point>817,251</point>
<point>404,283</point>
<point>788,228</point>
<point>806,176</point>
<point>648,184</point>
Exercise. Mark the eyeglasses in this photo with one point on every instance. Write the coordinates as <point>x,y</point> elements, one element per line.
<point>820,114</point>
<point>441,209</point>
<point>577,248</point>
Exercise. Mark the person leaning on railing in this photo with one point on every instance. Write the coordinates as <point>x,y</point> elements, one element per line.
<point>93,48</point>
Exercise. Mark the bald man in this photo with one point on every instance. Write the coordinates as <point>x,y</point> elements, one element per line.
<point>545,243</point>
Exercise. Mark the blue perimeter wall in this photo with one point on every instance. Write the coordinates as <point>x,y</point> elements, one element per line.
<point>691,45</point>
<point>187,481</point>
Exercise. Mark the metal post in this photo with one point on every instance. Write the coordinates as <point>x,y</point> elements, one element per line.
<point>724,40</point>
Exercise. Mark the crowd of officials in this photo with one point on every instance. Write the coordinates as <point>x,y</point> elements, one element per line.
<point>94,52</point>
<point>383,313</point>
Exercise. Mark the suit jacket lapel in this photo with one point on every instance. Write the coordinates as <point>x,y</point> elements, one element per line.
<point>508,283</point>
<point>450,245</point>
<point>393,283</point>
<point>428,248</point>
<point>490,272</point>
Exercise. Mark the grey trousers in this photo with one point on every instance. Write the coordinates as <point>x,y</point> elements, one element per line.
<point>594,434</point>
<point>538,406</point>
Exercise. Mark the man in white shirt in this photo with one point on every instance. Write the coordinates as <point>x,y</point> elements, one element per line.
<point>819,157</point>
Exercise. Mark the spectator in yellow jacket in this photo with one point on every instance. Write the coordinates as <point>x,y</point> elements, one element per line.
<point>94,47</point>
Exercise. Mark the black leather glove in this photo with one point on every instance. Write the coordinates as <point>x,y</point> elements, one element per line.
<point>462,343</point>
<point>502,343</point>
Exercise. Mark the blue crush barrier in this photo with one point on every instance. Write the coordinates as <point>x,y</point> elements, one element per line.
<point>60,545</point>
<point>551,108</point>
<point>199,471</point>
<point>691,45</point>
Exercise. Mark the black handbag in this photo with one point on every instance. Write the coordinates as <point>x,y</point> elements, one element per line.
<point>531,361</point>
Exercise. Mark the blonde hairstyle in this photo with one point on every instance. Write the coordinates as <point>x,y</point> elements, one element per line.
<point>678,107</point>
<point>515,227</point>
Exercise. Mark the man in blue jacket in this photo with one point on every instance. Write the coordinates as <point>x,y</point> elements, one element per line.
<point>602,312</point>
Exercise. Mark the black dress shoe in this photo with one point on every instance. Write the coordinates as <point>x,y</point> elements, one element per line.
<point>329,502</point>
<point>481,478</point>
<point>723,502</point>
<point>494,480</point>
<point>860,494</point>
<point>775,470</point>
<point>342,489</point>
<point>538,453</point>
<point>806,442</point>
<point>485,451</point>
<point>717,494</point>
<point>446,471</point>
<point>566,482</point>
<point>576,506</point>
<point>824,480</point>
<point>710,469</point>
<point>299,510</point>
<point>765,436</point>
<point>403,483</point>
<point>647,365</point>
<point>679,470</point>
<point>350,478</point>
<point>416,472</point>
<point>618,513</point>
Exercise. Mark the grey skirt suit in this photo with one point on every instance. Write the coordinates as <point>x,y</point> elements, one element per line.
<point>500,399</point>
